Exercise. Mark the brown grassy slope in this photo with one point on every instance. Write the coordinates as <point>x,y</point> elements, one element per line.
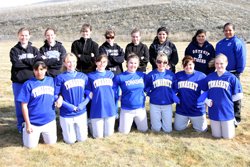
<point>181,17</point>
<point>186,148</point>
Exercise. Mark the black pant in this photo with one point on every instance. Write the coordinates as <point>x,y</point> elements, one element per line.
<point>237,104</point>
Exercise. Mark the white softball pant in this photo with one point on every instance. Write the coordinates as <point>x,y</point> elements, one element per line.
<point>48,132</point>
<point>199,122</point>
<point>225,129</point>
<point>161,117</point>
<point>74,129</point>
<point>103,127</point>
<point>128,116</point>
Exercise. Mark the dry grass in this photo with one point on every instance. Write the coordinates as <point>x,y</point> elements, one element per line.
<point>186,148</point>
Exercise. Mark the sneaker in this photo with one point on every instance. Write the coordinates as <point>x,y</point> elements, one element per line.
<point>236,123</point>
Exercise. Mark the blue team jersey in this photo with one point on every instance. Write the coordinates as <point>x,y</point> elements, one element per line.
<point>72,87</point>
<point>40,98</point>
<point>160,86</point>
<point>189,90</point>
<point>220,90</point>
<point>103,100</point>
<point>132,86</point>
<point>235,50</point>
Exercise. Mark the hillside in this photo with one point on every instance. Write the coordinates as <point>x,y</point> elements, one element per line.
<point>181,17</point>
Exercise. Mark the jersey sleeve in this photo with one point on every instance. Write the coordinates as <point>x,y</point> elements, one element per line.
<point>240,56</point>
<point>24,95</point>
<point>116,83</point>
<point>237,87</point>
<point>58,85</point>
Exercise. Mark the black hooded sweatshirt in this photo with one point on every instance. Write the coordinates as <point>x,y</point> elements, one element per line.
<point>54,56</point>
<point>84,49</point>
<point>22,60</point>
<point>168,48</point>
<point>115,56</point>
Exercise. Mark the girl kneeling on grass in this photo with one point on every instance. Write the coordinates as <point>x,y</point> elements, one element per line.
<point>71,85</point>
<point>103,111</point>
<point>223,88</point>
<point>161,85</point>
<point>37,98</point>
<point>132,98</point>
<point>189,89</point>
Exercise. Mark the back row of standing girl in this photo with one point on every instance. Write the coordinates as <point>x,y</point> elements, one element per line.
<point>86,50</point>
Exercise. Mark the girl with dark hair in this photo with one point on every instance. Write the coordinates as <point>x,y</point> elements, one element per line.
<point>160,45</point>
<point>202,52</point>
<point>103,111</point>
<point>22,57</point>
<point>189,89</point>
<point>235,49</point>
<point>52,53</point>
<point>37,98</point>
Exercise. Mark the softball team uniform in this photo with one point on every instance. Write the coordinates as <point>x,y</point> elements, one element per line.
<point>39,94</point>
<point>115,59</point>
<point>168,48</point>
<point>84,48</point>
<point>22,60</point>
<point>189,90</point>
<point>103,111</point>
<point>71,85</point>
<point>161,86</point>
<point>141,50</point>
<point>54,56</point>
<point>132,101</point>
<point>222,91</point>
<point>202,55</point>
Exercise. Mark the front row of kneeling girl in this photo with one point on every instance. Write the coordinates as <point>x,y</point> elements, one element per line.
<point>72,90</point>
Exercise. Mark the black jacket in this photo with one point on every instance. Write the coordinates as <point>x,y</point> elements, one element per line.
<point>115,55</point>
<point>22,60</point>
<point>168,48</point>
<point>141,50</point>
<point>54,56</point>
<point>84,49</point>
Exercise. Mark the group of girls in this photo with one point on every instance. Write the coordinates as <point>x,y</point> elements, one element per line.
<point>101,76</point>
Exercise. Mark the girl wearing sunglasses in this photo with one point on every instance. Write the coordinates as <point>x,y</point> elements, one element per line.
<point>161,85</point>
<point>113,51</point>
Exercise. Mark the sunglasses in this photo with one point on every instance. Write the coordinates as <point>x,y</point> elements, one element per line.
<point>110,37</point>
<point>160,61</point>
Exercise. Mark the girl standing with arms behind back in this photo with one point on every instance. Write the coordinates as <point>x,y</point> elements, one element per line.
<point>52,52</point>
<point>22,57</point>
